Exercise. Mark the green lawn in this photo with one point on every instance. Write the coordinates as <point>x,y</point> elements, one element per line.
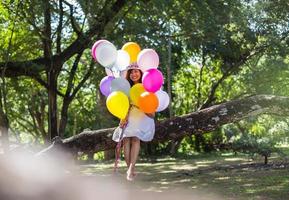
<point>224,175</point>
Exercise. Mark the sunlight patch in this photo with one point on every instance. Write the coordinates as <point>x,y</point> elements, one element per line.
<point>222,178</point>
<point>234,159</point>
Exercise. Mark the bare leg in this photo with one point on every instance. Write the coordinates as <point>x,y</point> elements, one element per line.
<point>126,150</point>
<point>134,151</point>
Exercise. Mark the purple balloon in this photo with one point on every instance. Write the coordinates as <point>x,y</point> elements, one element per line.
<point>105,85</point>
<point>152,80</point>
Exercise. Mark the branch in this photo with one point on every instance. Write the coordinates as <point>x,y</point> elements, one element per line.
<point>26,68</point>
<point>211,96</point>
<point>86,76</point>
<point>74,25</point>
<point>72,74</point>
<point>59,28</point>
<point>233,67</point>
<point>202,121</point>
<point>83,41</point>
<point>80,44</point>
<point>47,41</point>
<point>44,84</point>
<point>201,78</point>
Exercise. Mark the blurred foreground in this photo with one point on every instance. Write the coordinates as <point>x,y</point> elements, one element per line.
<point>26,176</point>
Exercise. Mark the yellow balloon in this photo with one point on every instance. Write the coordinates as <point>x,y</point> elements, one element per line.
<point>117,103</point>
<point>132,49</point>
<point>135,93</point>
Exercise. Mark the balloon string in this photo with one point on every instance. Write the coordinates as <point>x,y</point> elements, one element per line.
<point>118,147</point>
<point>111,72</point>
<point>117,150</point>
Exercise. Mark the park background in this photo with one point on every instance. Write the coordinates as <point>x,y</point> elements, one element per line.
<point>225,64</point>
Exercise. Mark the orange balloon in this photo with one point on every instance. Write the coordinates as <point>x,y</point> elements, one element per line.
<point>132,49</point>
<point>148,102</point>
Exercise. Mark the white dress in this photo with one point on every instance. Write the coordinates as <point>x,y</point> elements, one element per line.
<point>139,125</point>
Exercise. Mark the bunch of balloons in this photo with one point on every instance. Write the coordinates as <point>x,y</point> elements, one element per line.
<point>147,95</point>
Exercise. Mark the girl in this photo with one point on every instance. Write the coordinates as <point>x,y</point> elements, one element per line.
<point>137,126</point>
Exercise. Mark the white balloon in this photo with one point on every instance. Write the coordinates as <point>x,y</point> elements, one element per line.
<point>164,100</point>
<point>122,60</point>
<point>120,84</point>
<point>106,54</point>
<point>148,59</point>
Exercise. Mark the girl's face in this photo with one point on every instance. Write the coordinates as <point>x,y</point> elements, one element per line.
<point>135,75</point>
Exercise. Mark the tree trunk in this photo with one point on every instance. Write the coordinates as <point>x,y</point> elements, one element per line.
<point>169,76</point>
<point>197,143</point>
<point>64,116</point>
<point>202,121</point>
<point>52,64</point>
<point>175,144</point>
<point>90,157</point>
<point>109,154</point>
<point>265,159</point>
<point>148,149</point>
<point>52,105</point>
<point>51,70</point>
<point>4,126</point>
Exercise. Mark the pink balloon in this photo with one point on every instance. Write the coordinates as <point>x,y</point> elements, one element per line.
<point>152,80</point>
<point>95,45</point>
<point>148,59</point>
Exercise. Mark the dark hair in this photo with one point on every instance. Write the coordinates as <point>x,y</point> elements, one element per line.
<point>128,76</point>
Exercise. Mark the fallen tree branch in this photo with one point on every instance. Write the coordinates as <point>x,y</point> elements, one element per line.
<point>202,121</point>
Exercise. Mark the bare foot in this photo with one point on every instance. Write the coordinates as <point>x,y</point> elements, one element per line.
<point>130,175</point>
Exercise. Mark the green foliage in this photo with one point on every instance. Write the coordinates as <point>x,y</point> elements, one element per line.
<point>245,41</point>
<point>252,145</point>
<point>264,135</point>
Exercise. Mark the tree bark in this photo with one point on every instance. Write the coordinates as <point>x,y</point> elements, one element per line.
<point>4,126</point>
<point>174,146</point>
<point>52,72</point>
<point>64,117</point>
<point>202,121</point>
<point>52,106</point>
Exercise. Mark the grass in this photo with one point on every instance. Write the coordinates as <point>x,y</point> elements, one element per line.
<point>225,175</point>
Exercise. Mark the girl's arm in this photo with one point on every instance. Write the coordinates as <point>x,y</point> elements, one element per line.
<point>151,115</point>
<point>123,122</point>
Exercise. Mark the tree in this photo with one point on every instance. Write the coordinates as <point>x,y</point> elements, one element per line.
<point>202,121</point>
<point>57,50</point>
<point>222,36</point>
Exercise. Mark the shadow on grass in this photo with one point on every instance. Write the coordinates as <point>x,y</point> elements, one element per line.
<point>227,175</point>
